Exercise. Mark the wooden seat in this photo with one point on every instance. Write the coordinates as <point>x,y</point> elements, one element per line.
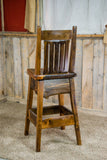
<point>52,87</point>
<point>56,78</point>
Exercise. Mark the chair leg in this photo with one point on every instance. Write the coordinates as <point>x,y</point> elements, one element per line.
<point>61,102</point>
<point>39,114</point>
<point>74,110</point>
<point>29,105</point>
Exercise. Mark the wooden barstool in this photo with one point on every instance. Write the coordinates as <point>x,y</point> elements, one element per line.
<point>56,78</point>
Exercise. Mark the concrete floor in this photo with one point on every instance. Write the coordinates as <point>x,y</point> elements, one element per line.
<point>56,144</point>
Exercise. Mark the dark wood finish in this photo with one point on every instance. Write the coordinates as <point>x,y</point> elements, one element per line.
<point>62,53</point>
<point>56,69</point>
<point>65,110</point>
<point>29,106</point>
<point>56,35</point>
<point>74,110</point>
<point>66,56</point>
<point>55,109</point>
<point>51,76</point>
<point>45,57</point>
<point>47,110</point>
<point>32,117</point>
<point>39,114</point>
<point>58,46</point>
<point>61,103</point>
<point>51,57</point>
<point>38,52</point>
<point>73,50</point>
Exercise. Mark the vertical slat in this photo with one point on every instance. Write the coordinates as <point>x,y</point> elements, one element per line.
<point>56,57</point>
<point>17,68</point>
<point>51,57</point>
<point>98,63</point>
<point>87,88</point>
<point>9,66</point>
<point>78,70</point>
<point>45,57</point>
<point>24,53</point>
<point>66,56</point>
<point>62,53</point>
<point>105,81</point>
<point>73,50</point>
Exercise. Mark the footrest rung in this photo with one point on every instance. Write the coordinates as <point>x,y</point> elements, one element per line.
<point>58,121</point>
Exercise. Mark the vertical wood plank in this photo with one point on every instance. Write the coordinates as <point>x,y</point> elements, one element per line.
<point>98,65</point>
<point>87,91</point>
<point>32,52</point>
<point>9,66</point>
<point>78,70</point>
<point>1,69</point>
<point>105,81</point>
<point>4,91</point>
<point>24,55</point>
<point>17,68</point>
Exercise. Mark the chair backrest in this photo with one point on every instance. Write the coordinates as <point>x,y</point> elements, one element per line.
<point>59,51</point>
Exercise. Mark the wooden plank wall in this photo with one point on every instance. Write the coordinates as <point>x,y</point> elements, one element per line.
<point>17,54</point>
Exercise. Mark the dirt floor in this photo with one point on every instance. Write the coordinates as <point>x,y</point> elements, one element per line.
<point>56,144</point>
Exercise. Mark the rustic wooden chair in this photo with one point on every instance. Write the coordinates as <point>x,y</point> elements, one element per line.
<point>57,78</point>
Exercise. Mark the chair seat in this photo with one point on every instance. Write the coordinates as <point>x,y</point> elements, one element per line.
<point>51,87</point>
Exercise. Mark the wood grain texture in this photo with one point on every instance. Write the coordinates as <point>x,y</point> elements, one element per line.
<point>56,66</point>
<point>38,52</point>
<point>4,73</point>
<point>31,51</point>
<point>24,54</point>
<point>45,57</point>
<point>98,71</point>
<point>17,68</point>
<point>74,111</point>
<point>56,35</point>
<point>1,68</point>
<point>105,81</point>
<point>78,70</point>
<point>9,66</point>
<point>73,50</point>
<point>39,114</point>
<point>57,122</point>
<point>87,75</point>
<point>61,102</point>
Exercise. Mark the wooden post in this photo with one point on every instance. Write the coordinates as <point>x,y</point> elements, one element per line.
<point>2,15</point>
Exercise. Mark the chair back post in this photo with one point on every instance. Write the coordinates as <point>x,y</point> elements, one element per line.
<point>38,52</point>
<point>73,50</point>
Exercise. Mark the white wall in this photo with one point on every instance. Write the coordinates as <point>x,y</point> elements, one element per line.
<point>90,16</point>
